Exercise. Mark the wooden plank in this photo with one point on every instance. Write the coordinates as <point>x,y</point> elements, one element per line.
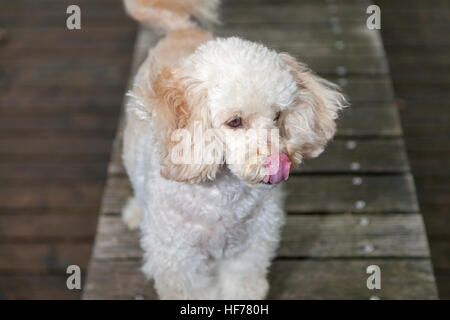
<point>11,54</point>
<point>62,134</point>
<point>52,194</point>
<point>40,232</point>
<point>364,156</point>
<point>63,70</point>
<point>54,146</point>
<point>36,287</point>
<point>370,121</point>
<point>52,6</point>
<point>327,254</point>
<point>340,156</point>
<point>52,170</point>
<point>105,72</point>
<point>68,158</point>
<point>68,99</point>
<point>55,7</point>
<point>337,235</point>
<point>319,3</point>
<point>85,38</point>
<point>302,13</point>
<point>282,36</point>
<point>60,96</point>
<point>88,122</point>
<point>362,89</point>
<point>45,227</point>
<point>304,236</point>
<point>121,279</point>
<point>373,121</point>
<point>332,48</point>
<point>354,65</point>
<point>117,191</point>
<point>346,279</point>
<point>297,279</point>
<point>43,258</point>
<point>316,193</point>
<point>320,193</point>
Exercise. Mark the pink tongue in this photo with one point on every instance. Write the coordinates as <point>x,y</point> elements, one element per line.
<point>278,166</point>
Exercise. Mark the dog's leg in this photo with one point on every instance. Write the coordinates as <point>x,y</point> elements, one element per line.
<point>180,269</point>
<point>132,214</point>
<point>244,276</point>
<point>183,274</point>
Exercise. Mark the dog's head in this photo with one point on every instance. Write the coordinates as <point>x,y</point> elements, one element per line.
<point>239,104</point>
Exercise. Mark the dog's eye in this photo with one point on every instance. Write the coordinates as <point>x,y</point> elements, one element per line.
<point>277,116</point>
<point>235,123</point>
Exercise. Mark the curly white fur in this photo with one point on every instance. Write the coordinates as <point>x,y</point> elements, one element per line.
<point>209,231</point>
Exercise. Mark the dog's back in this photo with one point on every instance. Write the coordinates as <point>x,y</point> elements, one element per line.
<point>169,15</point>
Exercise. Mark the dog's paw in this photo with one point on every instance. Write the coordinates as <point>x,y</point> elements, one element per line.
<point>244,288</point>
<point>132,214</point>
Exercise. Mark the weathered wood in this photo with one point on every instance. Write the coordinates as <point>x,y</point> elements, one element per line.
<point>48,208</point>
<point>58,96</point>
<point>346,279</point>
<point>49,226</point>
<point>337,235</point>
<point>315,193</point>
<point>363,90</point>
<point>43,258</point>
<point>52,194</point>
<point>54,146</point>
<point>297,279</point>
<point>343,194</point>
<point>63,69</point>
<point>55,171</point>
<point>89,71</point>
<point>340,156</point>
<point>312,3</point>
<point>332,48</point>
<point>81,123</point>
<point>299,13</point>
<point>312,236</point>
<point>373,121</point>
<point>36,287</point>
<point>364,171</point>
<point>366,156</point>
<point>81,40</point>
<point>354,65</point>
<point>359,35</point>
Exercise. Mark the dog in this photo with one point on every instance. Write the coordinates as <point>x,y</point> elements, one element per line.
<point>209,229</point>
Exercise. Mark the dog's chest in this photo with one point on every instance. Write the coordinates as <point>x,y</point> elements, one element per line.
<point>218,217</point>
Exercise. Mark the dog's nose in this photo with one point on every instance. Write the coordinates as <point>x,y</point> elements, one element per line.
<point>278,166</point>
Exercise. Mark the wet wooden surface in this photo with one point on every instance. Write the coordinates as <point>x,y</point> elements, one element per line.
<point>345,212</point>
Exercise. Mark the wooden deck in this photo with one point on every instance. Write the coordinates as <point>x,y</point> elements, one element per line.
<point>415,35</point>
<point>60,98</point>
<point>353,207</point>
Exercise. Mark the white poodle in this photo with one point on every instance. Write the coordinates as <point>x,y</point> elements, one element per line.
<point>213,125</point>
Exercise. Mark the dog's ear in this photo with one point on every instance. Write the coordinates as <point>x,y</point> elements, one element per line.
<point>181,118</point>
<point>310,123</point>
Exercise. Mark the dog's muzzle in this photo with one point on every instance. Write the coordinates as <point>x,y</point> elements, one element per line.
<point>278,166</point>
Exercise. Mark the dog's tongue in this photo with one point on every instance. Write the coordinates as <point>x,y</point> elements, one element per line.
<point>278,166</point>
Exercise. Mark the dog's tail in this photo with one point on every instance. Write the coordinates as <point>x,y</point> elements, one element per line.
<point>169,15</point>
